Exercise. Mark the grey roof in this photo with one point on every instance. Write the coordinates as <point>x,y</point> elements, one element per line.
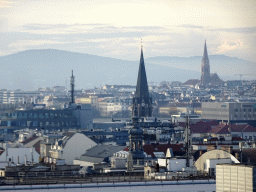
<point>100,152</point>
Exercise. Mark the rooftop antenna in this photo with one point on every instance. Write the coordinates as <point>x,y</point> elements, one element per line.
<point>187,141</point>
<point>72,86</point>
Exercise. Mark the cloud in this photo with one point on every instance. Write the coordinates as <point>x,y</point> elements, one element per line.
<point>226,46</point>
<point>191,26</point>
<point>7,4</point>
<point>244,30</point>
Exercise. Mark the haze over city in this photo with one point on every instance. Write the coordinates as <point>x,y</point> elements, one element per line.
<point>137,95</point>
<point>114,28</point>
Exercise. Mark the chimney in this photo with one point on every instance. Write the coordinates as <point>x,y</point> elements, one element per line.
<point>228,149</point>
<point>211,147</point>
<point>237,156</point>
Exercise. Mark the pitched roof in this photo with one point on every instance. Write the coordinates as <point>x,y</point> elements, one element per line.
<point>221,129</point>
<point>242,128</point>
<point>102,151</point>
<point>249,154</point>
<point>203,126</point>
<point>37,147</point>
<point>200,126</point>
<point>192,82</point>
<point>29,140</point>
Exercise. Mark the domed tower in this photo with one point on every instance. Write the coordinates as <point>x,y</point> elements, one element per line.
<point>135,139</point>
<point>142,102</point>
<point>205,68</point>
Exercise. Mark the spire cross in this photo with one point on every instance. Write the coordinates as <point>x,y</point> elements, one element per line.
<point>141,43</point>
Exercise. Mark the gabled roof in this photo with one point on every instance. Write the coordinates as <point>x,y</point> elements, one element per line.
<point>201,126</point>
<point>192,82</point>
<point>102,151</point>
<point>221,129</point>
<point>29,140</point>
<point>242,128</point>
<point>37,147</point>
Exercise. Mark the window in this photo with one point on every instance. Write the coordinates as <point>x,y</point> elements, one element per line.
<point>41,115</point>
<point>35,115</point>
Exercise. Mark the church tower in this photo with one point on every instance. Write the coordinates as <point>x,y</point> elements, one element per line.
<point>205,68</point>
<point>142,102</point>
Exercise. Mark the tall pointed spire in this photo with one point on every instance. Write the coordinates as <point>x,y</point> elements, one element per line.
<point>205,68</point>
<point>205,59</point>
<point>142,84</point>
<point>142,102</point>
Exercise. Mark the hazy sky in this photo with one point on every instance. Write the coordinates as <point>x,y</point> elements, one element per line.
<point>114,28</point>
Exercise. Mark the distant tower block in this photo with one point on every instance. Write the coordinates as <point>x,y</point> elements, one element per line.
<point>142,102</point>
<point>205,68</point>
<point>72,87</point>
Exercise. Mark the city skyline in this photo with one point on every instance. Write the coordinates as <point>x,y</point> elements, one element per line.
<point>114,29</point>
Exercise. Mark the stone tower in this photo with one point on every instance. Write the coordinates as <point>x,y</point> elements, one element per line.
<point>205,68</point>
<point>136,152</point>
<point>142,102</point>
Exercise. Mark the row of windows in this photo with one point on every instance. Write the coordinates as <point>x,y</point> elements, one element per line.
<point>245,110</point>
<point>38,123</point>
<point>35,115</point>
<point>245,116</point>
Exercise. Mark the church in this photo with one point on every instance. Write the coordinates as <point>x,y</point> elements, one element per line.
<point>207,79</point>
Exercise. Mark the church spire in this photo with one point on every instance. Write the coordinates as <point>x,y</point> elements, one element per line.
<point>205,59</point>
<point>205,68</point>
<point>142,84</point>
<point>142,102</point>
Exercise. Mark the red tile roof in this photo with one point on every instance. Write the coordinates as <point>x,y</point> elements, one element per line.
<point>201,126</point>
<point>221,129</point>
<point>227,129</point>
<point>242,128</point>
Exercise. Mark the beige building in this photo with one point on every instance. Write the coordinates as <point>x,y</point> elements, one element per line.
<point>107,109</point>
<point>235,177</point>
<point>236,112</point>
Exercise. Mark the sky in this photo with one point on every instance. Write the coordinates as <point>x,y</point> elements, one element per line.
<point>114,28</point>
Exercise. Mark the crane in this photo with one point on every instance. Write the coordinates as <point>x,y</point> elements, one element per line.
<point>241,75</point>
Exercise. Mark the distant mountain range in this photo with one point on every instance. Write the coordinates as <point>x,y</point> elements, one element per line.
<point>30,69</point>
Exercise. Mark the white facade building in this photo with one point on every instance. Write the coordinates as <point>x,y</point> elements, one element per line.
<point>71,147</point>
<point>19,155</point>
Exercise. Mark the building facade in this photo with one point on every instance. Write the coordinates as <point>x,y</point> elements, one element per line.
<point>241,112</point>
<point>235,177</point>
<point>79,116</point>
